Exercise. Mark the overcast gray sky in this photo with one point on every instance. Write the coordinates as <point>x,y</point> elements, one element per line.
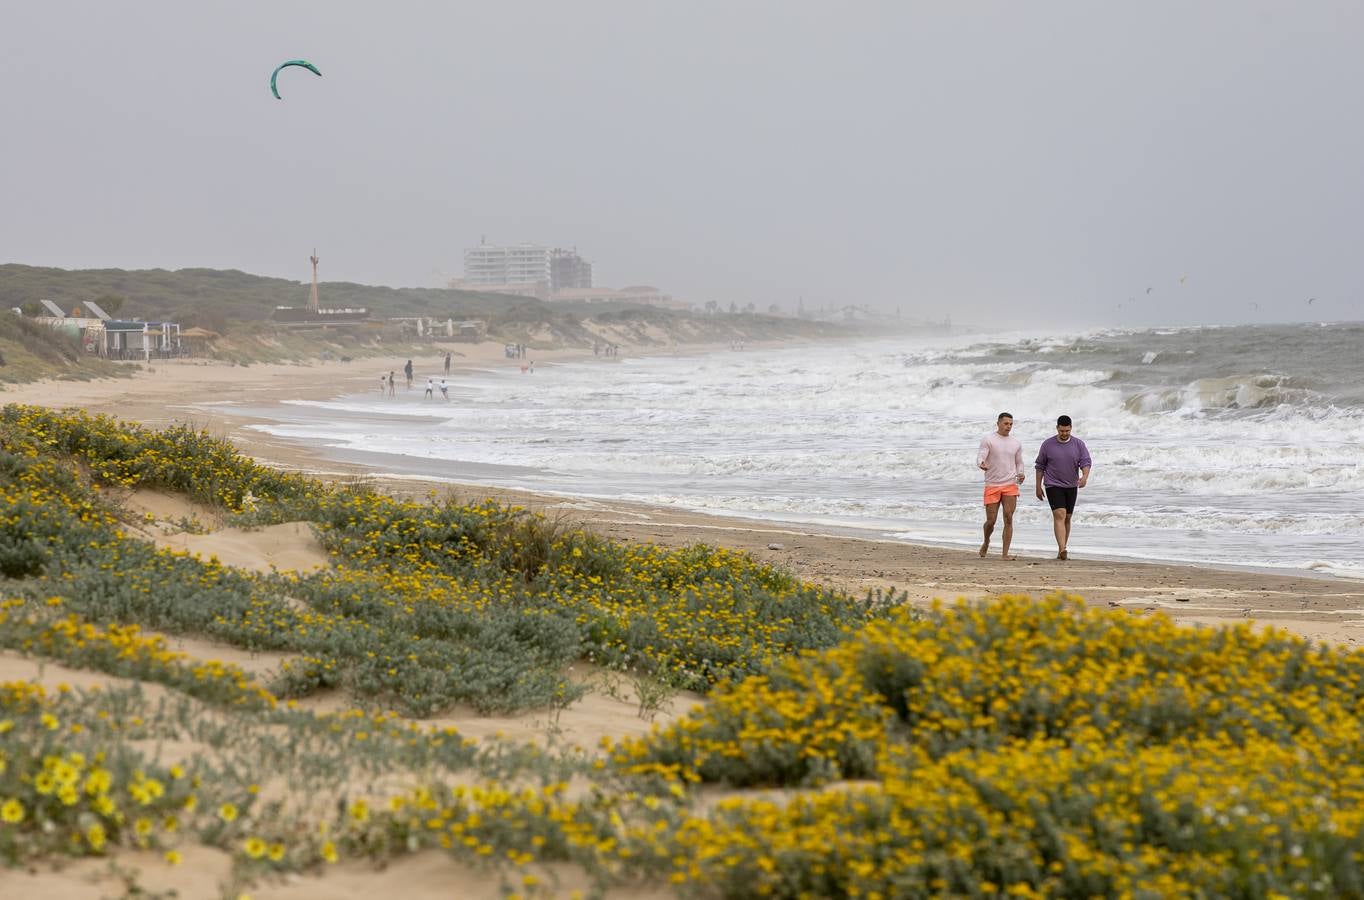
<point>1026,161</point>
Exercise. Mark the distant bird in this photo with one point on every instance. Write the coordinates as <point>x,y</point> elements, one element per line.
<point>1182,278</point>
<point>1148,290</point>
<point>1254,306</point>
<point>1311,300</point>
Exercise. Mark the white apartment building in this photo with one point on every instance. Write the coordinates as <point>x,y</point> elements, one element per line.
<point>488,264</point>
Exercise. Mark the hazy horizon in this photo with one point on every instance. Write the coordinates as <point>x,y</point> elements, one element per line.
<point>1042,164</point>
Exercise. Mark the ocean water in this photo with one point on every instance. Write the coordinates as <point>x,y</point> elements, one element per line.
<point>1237,445</point>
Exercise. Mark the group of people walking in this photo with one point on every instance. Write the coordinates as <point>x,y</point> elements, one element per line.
<point>1061,469</point>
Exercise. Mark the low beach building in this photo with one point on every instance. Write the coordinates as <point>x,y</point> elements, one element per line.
<point>304,317</point>
<point>116,338</point>
<point>140,340</point>
<point>467,330</point>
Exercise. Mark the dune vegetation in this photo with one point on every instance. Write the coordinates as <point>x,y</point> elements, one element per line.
<point>845,746</point>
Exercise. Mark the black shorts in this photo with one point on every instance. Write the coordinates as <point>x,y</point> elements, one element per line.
<point>1062,497</point>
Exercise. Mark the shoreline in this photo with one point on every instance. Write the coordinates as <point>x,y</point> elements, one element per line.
<point>313,459</point>
<point>1320,606</point>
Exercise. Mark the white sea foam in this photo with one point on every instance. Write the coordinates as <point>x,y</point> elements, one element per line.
<point>1250,465</point>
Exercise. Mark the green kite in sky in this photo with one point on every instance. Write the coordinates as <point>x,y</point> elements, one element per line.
<point>301,63</point>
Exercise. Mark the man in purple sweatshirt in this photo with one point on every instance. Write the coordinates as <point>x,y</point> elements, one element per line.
<point>1059,461</point>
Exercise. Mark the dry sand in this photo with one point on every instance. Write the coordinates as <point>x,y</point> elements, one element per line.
<point>201,874</point>
<point>1322,609</point>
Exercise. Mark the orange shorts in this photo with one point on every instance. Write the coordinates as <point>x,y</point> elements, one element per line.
<point>994,492</point>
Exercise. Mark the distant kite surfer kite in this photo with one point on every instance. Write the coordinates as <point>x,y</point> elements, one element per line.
<point>301,63</point>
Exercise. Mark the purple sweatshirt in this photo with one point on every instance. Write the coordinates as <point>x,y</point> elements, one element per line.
<point>1060,464</point>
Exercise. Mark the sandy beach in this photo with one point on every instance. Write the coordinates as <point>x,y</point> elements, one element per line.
<point>1325,608</point>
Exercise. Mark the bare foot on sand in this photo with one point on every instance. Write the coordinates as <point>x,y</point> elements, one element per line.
<point>1061,555</point>
<point>984,549</point>
<point>1009,557</point>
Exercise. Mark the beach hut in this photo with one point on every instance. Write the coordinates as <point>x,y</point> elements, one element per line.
<point>131,340</point>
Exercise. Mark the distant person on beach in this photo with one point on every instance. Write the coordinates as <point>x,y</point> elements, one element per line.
<point>1000,457</point>
<point>392,386</point>
<point>407,370</point>
<point>444,390</point>
<point>1060,460</point>
<point>447,363</point>
<point>430,386</point>
<point>383,383</point>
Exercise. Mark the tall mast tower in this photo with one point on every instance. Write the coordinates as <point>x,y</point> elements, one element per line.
<point>312,300</point>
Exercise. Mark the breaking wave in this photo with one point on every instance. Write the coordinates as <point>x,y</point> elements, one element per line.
<point>1234,445</point>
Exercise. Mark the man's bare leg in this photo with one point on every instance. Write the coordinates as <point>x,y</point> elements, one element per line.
<point>991,511</point>
<point>1009,504</point>
<point>1060,525</point>
<point>1068,529</point>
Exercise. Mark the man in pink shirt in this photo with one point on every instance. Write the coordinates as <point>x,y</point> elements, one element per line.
<point>1001,459</point>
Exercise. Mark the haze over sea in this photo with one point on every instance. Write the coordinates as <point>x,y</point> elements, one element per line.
<point>1231,445</point>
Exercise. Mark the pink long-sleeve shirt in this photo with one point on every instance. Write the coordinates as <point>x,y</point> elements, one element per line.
<point>1003,457</point>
